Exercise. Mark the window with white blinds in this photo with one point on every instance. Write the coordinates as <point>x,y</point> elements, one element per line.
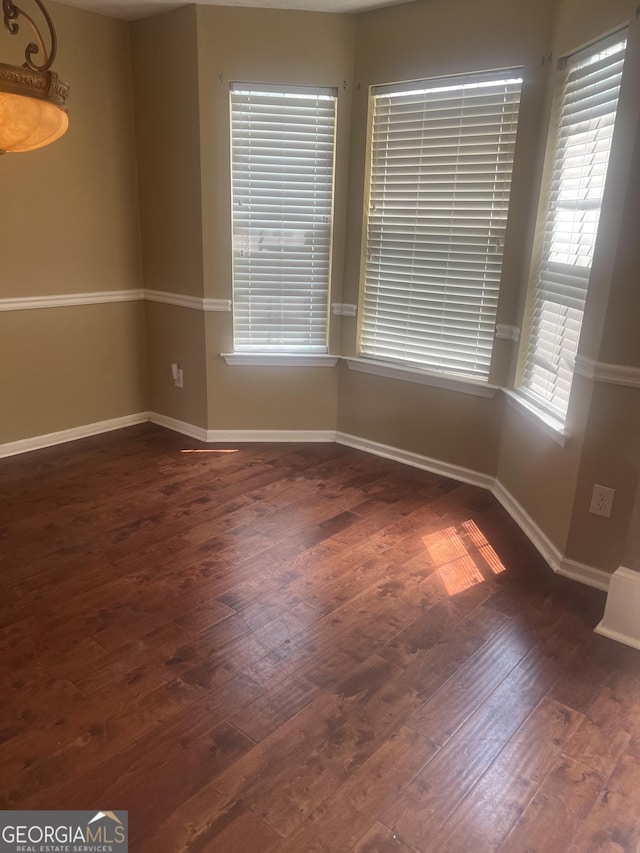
<point>578,155</point>
<point>282,167</point>
<point>440,175</point>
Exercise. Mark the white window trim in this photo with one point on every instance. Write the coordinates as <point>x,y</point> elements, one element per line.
<point>551,427</point>
<point>279,359</point>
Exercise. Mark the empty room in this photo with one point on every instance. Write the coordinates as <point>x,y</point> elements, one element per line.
<point>320,426</point>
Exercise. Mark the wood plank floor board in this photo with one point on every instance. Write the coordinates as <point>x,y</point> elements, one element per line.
<point>613,822</point>
<point>486,815</point>
<point>557,811</point>
<point>380,839</point>
<point>274,708</point>
<point>432,798</point>
<point>613,720</point>
<point>443,714</point>
<point>301,648</point>
<point>210,823</point>
<point>101,739</point>
<point>340,821</point>
<point>173,769</point>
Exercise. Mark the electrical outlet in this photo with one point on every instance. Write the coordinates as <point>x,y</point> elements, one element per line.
<point>602,500</point>
<point>177,375</point>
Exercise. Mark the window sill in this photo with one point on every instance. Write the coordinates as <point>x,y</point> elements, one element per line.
<point>280,359</point>
<point>546,423</point>
<point>422,377</point>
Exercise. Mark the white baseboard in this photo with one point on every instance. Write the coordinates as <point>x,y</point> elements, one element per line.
<point>580,572</point>
<point>528,526</point>
<point>272,435</point>
<point>24,445</point>
<point>199,433</point>
<point>242,435</point>
<point>416,460</point>
<point>572,569</point>
<point>621,619</point>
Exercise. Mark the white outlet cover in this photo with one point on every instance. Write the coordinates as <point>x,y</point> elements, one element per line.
<point>602,500</point>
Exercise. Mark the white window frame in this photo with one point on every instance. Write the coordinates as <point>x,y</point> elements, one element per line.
<point>282,188</point>
<point>434,230</point>
<point>576,161</point>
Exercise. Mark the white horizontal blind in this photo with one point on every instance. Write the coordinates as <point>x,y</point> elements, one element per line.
<point>282,142</point>
<point>582,130</point>
<point>441,160</point>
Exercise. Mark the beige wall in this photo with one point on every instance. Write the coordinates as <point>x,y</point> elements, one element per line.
<point>265,398</point>
<point>610,457</point>
<point>554,484</point>
<point>539,474</point>
<point>176,335</point>
<point>425,39</point>
<point>67,367</point>
<point>182,115</point>
<point>611,451</point>
<point>272,46</point>
<point>69,214</point>
<point>459,429</point>
<point>165,78</point>
<point>264,46</point>
<point>70,224</point>
<point>610,297</point>
<point>632,548</point>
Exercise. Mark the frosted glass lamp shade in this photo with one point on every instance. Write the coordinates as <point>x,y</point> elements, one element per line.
<point>27,123</point>
<point>32,108</point>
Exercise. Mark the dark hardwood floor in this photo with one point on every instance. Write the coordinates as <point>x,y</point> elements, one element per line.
<point>263,648</point>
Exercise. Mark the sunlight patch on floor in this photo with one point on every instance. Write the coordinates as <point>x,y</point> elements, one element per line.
<point>445,545</point>
<point>209,451</point>
<point>461,552</point>
<point>460,575</point>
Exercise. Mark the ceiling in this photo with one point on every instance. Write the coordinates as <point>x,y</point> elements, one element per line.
<point>132,9</point>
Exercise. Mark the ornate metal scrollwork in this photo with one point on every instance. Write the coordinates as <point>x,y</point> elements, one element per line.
<point>12,13</point>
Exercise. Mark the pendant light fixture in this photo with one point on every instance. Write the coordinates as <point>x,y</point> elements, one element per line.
<point>32,98</point>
